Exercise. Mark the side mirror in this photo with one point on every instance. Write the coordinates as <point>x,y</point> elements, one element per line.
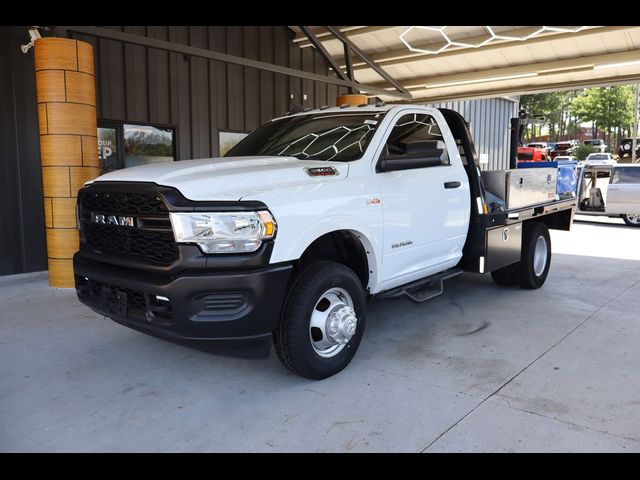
<point>420,154</point>
<point>406,162</point>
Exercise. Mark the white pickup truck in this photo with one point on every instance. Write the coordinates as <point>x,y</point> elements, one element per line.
<point>300,224</point>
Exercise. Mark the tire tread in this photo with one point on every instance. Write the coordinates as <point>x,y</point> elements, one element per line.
<point>301,288</point>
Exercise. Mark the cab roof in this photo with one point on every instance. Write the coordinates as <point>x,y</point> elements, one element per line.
<point>349,109</point>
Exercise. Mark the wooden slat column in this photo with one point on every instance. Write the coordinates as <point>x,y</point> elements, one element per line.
<point>66,92</point>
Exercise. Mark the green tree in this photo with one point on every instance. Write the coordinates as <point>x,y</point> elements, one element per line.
<point>548,105</point>
<point>609,108</point>
<point>583,151</point>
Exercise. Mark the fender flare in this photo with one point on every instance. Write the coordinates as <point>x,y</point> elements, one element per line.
<point>347,223</point>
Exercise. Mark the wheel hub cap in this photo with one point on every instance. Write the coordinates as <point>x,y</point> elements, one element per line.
<point>342,324</point>
<point>540,256</point>
<point>333,322</point>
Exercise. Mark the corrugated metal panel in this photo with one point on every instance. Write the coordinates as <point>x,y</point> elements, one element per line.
<point>22,242</point>
<point>134,83</point>
<point>203,96</point>
<point>489,121</point>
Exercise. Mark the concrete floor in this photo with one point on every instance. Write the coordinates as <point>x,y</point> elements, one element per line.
<point>477,369</point>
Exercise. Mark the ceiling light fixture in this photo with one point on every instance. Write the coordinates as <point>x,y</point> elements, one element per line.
<point>616,65</point>
<point>446,40</point>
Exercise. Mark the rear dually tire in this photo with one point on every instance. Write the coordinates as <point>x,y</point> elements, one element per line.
<point>535,260</point>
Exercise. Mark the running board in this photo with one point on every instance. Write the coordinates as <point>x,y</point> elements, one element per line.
<point>423,289</point>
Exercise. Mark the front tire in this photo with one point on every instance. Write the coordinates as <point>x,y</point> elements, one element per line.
<point>322,322</point>
<point>533,268</point>
<point>631,220</point>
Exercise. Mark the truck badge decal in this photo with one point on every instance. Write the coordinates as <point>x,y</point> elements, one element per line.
<point>322,171</point>
<point>112,220</point>
<point>373,201</point>
<point>404,243</point>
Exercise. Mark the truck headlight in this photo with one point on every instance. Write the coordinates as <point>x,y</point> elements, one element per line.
<point>224,232</point>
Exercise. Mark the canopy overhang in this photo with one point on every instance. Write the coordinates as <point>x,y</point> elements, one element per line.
<point>435,64</point>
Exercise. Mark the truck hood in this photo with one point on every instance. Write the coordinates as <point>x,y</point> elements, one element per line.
<point>229,178</point>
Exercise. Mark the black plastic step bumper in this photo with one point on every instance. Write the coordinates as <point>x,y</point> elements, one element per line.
<point>193,305</point>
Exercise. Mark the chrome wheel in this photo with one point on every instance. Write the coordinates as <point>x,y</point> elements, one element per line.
<point>333,322</point>
<point>635,219</point>
<point>540,256</point>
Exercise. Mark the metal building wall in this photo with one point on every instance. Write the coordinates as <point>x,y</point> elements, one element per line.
<point>22,241</point>
<point>197,96</point>
<point>489,124</point>
<point>202,96</point>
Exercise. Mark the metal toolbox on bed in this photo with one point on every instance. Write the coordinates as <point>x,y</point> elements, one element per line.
<point>522,187</point>
<point>567,175</point>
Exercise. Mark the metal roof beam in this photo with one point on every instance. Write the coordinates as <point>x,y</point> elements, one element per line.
<point>351,31</point>
<point>379,70</point>
<point>320,32</point>
<point>323,51</point>
<point>223,57</point>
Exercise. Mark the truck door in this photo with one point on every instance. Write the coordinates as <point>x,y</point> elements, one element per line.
<point>425,199</point>
<point>624,191</point>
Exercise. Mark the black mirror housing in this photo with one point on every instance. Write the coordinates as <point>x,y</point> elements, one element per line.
<point>405,162</point>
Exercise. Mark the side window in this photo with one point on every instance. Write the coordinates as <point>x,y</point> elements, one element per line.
<point>414,137</point>
<point>626,175</point>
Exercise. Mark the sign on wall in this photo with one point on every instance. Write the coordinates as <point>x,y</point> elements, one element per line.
<point>107,149</point>
<point>122,145</point>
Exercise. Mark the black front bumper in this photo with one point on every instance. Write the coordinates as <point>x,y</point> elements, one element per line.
<point>192,305</point>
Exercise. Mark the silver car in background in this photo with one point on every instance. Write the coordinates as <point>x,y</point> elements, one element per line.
<point>611,191</point>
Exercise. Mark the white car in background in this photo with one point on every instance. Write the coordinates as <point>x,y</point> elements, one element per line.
<point>600,159</point>
<point>610,191</point>
<point>568,158</point>
<point>597,143</point>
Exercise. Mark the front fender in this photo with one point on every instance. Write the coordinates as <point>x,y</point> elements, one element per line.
<point>291,242</point>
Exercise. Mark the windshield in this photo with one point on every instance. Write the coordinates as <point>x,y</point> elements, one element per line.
<point>598,156</point>
<point>341,137</point>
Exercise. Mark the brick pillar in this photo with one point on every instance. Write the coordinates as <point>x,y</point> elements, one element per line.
<point>66,92</point>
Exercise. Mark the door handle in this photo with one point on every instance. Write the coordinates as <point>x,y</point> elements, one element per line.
<point>452,184</point>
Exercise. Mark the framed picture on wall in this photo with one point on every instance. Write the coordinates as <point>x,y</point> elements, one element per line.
<point>144,144</point>
<point>227,140</point>
<point>130,144</point>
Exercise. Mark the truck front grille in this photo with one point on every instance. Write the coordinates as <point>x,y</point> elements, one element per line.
<point>150,239</point>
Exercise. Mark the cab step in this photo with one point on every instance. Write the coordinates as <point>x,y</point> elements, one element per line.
<point>423,289</point>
